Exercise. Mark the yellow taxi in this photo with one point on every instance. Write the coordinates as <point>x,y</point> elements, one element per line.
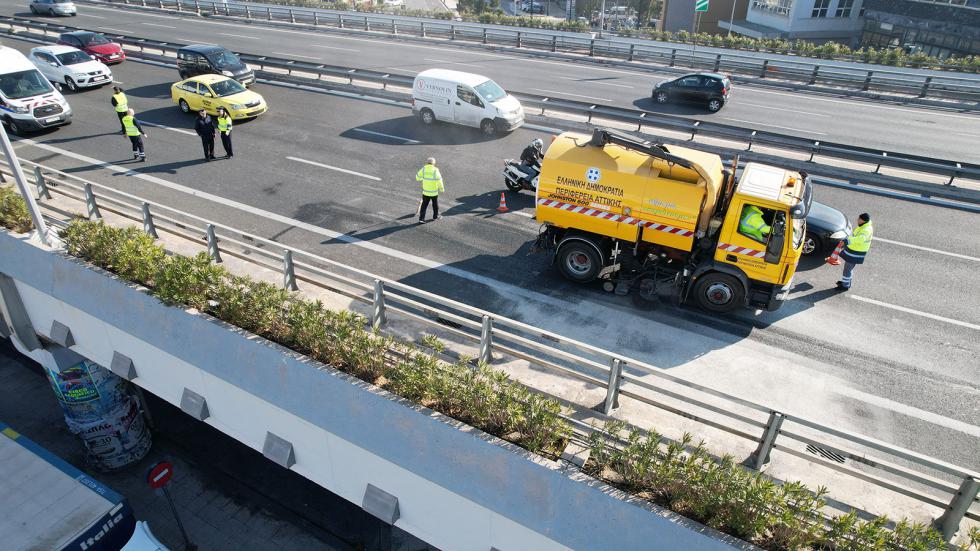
<point>214,91</point>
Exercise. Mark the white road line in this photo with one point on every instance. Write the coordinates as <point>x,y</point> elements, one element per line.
<point>921,248</point>
<point>179,130</point>
<point>170,17</point>
<point>90,15</point>
<point>240,36</point>
<point>522,213</point>
<point>287,54</point>
<point>157,25</point>
<point>587,81</point>
<point>406,140</point>
<point>780,109</point>
<point>121,31</point>
<point>498,286</point>
<point>863,104</point>
<point>567,94</point>
<point>335,48</point>
<point>775,126</point>
<point>912,311</point>
<point>338,169</point>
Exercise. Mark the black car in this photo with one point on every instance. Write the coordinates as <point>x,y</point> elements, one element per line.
<point>204,59</point>
<point>825,228</point>
<point>711,89</point>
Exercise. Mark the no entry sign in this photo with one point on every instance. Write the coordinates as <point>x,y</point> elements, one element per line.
<point>160,474</point>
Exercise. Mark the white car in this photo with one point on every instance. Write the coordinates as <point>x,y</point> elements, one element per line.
<point>53,7</point>
<point>71,67</point>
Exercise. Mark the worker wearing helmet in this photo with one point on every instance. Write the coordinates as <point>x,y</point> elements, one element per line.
<point>753,225</point>
<point>531,158</point>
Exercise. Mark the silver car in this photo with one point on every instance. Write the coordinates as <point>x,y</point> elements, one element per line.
<point>53,7</point>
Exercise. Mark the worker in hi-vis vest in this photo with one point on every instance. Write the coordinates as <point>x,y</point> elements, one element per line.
<point>431,180</point>
<point>121,105</point>
<point>135,133</point>
<point>856,247</point>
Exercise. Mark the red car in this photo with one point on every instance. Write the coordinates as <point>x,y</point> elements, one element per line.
<point>94,44</point>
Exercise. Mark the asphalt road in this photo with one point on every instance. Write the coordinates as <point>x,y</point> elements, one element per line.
<point>897,358</point>
<point>908,129</point>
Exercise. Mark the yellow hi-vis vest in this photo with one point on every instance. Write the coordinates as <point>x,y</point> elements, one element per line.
<point>121,104</point>
<point>860,240</point>
<point>431,180</point>
<point>753,224</point>
<point>224,124</point>
<point>131,129</point>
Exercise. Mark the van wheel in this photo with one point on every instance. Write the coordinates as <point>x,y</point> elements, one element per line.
<point>427,116</point>
<point>71,84</point>
<point>488,127</point>
<point>33,10</point>
<point>579,262</point>
<point>661,97</point>
<point>14,129</point>
<point>714,105</point>
<point>720,293</point>
<point>183,106</point>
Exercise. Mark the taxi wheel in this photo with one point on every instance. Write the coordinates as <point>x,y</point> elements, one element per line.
<point>184,107</point>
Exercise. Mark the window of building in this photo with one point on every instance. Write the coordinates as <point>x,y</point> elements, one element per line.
<point>844,8</point>
<point>820,8</point>
<point>779,7</point>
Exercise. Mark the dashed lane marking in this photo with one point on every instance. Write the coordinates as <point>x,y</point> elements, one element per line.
<point>921,248</point>
<point>567,94</point>
<point>241,36</point>
<point>172,129</point>
<point>915,312</point>
<point>158,25</point>
<point>338,169</point>
<point>797,111</point>
<point>123,31</point>
<point>373,133</point>
<point>775,126</point>
<point>335,48</point>
<point>297,55</point>
<point>589,81</point>
<point>90,15</point>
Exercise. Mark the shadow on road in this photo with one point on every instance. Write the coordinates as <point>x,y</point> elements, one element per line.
<point>672,108</point>
<point>409,131</point>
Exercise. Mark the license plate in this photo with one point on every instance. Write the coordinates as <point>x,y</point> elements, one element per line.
<point>51,119</point>
<point>100,77</point>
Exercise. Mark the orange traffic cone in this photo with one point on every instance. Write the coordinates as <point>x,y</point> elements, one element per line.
<point>503,203</point>
<point>834,258</point>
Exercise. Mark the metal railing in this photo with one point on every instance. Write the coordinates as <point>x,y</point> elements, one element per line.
<point>273,68</point>
<point>927,480</point>
<point>810,72</point>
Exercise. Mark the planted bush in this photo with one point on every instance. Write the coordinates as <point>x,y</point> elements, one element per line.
<point>13,211</point>
<point>482,397</point>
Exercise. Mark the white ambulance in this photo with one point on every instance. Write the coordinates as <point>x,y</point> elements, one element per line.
<point>467,99</point>
<point>28,102</point>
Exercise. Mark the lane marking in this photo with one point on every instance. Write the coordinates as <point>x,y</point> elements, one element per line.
<point>297,55</point>
<point>338,169</point>
<point>567,94</point>
<point>180,130</point>
<point>90,15</point>
<point>780,109</point>
<point>157,25</point>
<point>921,248</point>
<point>586,81</point>
<point>775,126</point>
<point>910,411</point>
<point>863,104</point>
<point>170,17</point>
<point>914,312</point>
<point>335,48</point>
<point>240,36</point>
<point>522,213</point>
<point>120,31</point>
<point>406,140</point>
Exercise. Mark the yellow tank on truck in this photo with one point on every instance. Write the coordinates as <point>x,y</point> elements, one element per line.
<point>612,191</point>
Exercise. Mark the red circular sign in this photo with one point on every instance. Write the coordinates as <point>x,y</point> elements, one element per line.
<point>160,474</point>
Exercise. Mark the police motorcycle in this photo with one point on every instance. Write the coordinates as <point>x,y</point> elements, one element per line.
<point>518,175</point>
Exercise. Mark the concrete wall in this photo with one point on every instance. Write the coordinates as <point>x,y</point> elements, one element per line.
<point>457,487</point>
<point>800,23</point>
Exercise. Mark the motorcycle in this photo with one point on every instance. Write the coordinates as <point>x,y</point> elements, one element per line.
<point>518,176</point>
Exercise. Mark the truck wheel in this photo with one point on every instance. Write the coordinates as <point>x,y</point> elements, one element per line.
<point>721,293</point>
<point>427,116</point>
<point>579,262</point>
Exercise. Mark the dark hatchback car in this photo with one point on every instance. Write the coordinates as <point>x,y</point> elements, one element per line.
<point>710,89</point>
<point>95,45</point>
<point>206,59</point>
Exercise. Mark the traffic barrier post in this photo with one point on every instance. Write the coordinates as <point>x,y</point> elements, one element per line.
<point>422,29</point>
<point>612,388</point>
<point>760,458</point>
<point>41,184</point>
<point>949,522</point>
<point>673,57</point>
<point>288,271</point>
<point>925,87</point>
<point>884,155</point>
<point>91,206</point>
<point>765,68</point>
<point>486,340</point>
<point>632,49</point>
<point>867,81</point>
<point>518,39</point>
<point>694,129</point>
<point>292,18</point>
<point>591,47</point>
<point>717,62</point>
<point>378,318</point>
<point>149,228</point>
<point>213,250</point>
<point>813,75</point>
<point>367,24</point>
<point>751,138</point>
<point>813,151</point>
<point>554,43</point>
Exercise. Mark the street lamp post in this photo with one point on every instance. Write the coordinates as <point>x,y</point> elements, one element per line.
<point>731,20</point>
<point>42,228</point>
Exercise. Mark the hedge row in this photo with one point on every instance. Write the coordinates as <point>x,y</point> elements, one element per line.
<point>13,211</point>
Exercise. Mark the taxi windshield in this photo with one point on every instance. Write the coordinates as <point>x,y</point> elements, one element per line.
<point>228,87</point>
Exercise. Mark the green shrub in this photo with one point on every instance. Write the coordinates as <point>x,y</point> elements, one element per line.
<point>483,397</point>
<point>13,211</point>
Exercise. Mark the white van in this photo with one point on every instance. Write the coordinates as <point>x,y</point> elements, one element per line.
<point>28,102</point>
<point>467,99</point>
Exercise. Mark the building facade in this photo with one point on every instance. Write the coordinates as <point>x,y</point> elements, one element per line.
<point>940,28</point>
<point>813,20</point>
<point>679,15</point>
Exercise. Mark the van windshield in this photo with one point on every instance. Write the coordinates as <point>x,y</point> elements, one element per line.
<point>73,58</point>
<point>491,91</point>
<point>24,84</point>
<point>224,60</point>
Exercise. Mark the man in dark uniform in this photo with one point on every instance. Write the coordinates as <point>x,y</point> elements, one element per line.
<point>204,126</point>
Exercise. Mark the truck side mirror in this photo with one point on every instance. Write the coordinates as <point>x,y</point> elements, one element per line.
<point>777,238</point>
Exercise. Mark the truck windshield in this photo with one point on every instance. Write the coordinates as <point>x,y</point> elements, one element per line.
<point>73,58</point>
<point>491,91</point>
<point>24,84</point>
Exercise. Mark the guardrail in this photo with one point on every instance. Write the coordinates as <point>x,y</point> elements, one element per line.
<point>927,480</point>
<point>803,72</point>
<point>271,66</point>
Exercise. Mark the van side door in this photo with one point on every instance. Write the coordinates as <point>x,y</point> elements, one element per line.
<point>468,108</point>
